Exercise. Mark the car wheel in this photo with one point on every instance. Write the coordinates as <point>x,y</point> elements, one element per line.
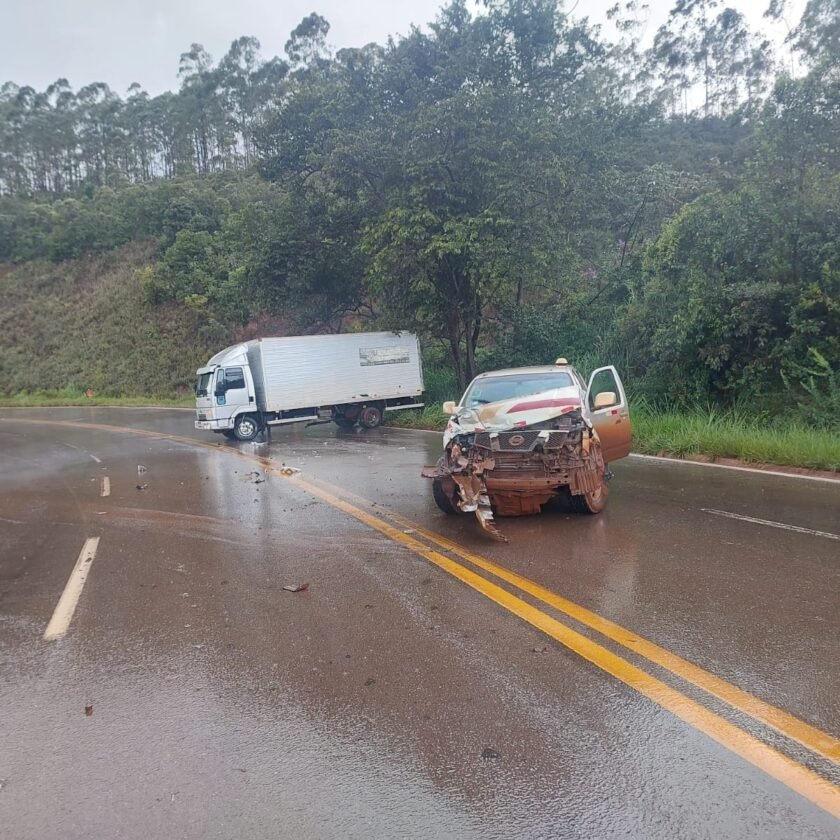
<point>593,502</point>
<point>246,427</point>
<point>443,499</point>
<point>370,416</point>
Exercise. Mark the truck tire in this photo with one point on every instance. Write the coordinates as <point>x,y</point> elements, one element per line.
<point>591,503</point>
<point>247,427</point>
<point>370,416</point>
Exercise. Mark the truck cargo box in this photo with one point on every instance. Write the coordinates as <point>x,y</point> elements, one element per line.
<point>313,370</point>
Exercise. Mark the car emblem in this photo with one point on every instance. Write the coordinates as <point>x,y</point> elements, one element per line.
<point>516,440</point>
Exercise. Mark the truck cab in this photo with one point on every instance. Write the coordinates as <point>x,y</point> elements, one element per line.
<point>225,394</point>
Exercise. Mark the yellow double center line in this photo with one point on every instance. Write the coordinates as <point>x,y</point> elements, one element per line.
<point>794,775</point>
<point>776,764</point>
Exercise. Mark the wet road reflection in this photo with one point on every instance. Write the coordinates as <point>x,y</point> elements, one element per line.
<point>226,706</point>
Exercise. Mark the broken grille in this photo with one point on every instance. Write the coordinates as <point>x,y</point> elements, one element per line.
<point>524,441</point>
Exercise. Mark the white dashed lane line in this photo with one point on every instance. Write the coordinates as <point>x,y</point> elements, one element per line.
<point>770,523</point>
<point>66,607</point>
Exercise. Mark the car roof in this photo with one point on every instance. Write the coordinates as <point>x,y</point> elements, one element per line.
<point>537,369</point>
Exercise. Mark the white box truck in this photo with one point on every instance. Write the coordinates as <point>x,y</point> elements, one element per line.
<point>347,378</point>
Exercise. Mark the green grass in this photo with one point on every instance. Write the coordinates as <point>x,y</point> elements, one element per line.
<point>72,396</point>
<point>718,434</point>
<point>709,433</point>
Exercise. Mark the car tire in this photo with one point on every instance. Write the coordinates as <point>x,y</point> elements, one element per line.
<point>370,416</point>
<point>247,427</point>
<point>445,501</point>
<point>592,503</point>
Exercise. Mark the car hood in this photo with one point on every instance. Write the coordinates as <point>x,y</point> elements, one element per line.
<point>515,413</point>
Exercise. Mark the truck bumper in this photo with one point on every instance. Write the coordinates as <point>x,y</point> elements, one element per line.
<point>213,425</point>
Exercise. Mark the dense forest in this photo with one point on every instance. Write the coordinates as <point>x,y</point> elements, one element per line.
<point>513,184</point>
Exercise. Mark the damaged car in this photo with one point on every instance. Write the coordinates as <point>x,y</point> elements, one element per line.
<point>524,436</point>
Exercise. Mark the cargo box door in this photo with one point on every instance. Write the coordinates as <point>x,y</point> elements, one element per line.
<point>607,409</point>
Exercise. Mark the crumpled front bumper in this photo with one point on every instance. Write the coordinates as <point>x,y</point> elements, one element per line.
<point>516,472</point>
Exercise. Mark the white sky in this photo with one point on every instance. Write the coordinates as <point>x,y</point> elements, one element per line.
<point>141,40</point>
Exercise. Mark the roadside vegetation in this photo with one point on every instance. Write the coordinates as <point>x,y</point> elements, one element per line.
<point>511,184</point>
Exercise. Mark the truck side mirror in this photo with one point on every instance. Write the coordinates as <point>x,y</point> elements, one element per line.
<point>449,407</point>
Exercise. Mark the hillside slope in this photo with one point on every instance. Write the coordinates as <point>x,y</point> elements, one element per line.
<point>85,324</point>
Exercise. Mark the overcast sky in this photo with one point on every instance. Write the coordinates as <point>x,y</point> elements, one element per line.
<point>130,41</point>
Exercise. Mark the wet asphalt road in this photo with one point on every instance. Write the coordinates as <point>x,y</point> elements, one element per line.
<point>398,696</point>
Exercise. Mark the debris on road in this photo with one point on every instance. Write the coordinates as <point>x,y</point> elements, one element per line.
<point>298,587</point>
<point>89,710</point>
<point>141,469</point>
<point>142,486</point>
<point>289,470</point>
<point>370,681</point>
<point>489,752</point>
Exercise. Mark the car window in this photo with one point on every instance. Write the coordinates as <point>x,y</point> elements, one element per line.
<point>495,388</point>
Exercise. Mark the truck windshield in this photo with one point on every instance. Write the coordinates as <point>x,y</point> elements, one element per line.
<point>494,388</point>
<point>202,384</point>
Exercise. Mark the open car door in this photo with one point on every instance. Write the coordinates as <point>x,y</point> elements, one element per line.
<point>607,410</point>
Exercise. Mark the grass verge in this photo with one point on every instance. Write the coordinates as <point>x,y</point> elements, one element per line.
<point>711,433</point>
<point>72,397</point>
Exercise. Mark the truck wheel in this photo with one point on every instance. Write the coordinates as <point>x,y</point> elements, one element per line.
<point>593,502</point>
<point>370,416</point>
<point>246,427</point>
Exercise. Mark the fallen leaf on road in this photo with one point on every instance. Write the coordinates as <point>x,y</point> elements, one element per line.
<point>539,650</point>
<point>370,681</point>
<point>290,471</point>
<point>298,587</point>
<point>88,710</point>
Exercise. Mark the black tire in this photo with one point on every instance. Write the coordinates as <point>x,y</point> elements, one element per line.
<point>442,499</point>
<point>591,503</point>
<point>247,427</point>
<point>343,422</point>
<point>445,501</point>
<point>370,417</point>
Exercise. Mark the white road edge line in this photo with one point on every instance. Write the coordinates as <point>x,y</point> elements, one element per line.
<point>106,486</point>
<point>772,524</point>
<point>753,470</point>
<point>98,460</point>
<point>63,614</point>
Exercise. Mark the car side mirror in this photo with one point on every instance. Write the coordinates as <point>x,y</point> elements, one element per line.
<point>605,399</point>
<point>449,407</point>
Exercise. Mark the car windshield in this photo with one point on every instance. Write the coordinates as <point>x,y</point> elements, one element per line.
<point>202,384</point>
<point>495,388</point>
